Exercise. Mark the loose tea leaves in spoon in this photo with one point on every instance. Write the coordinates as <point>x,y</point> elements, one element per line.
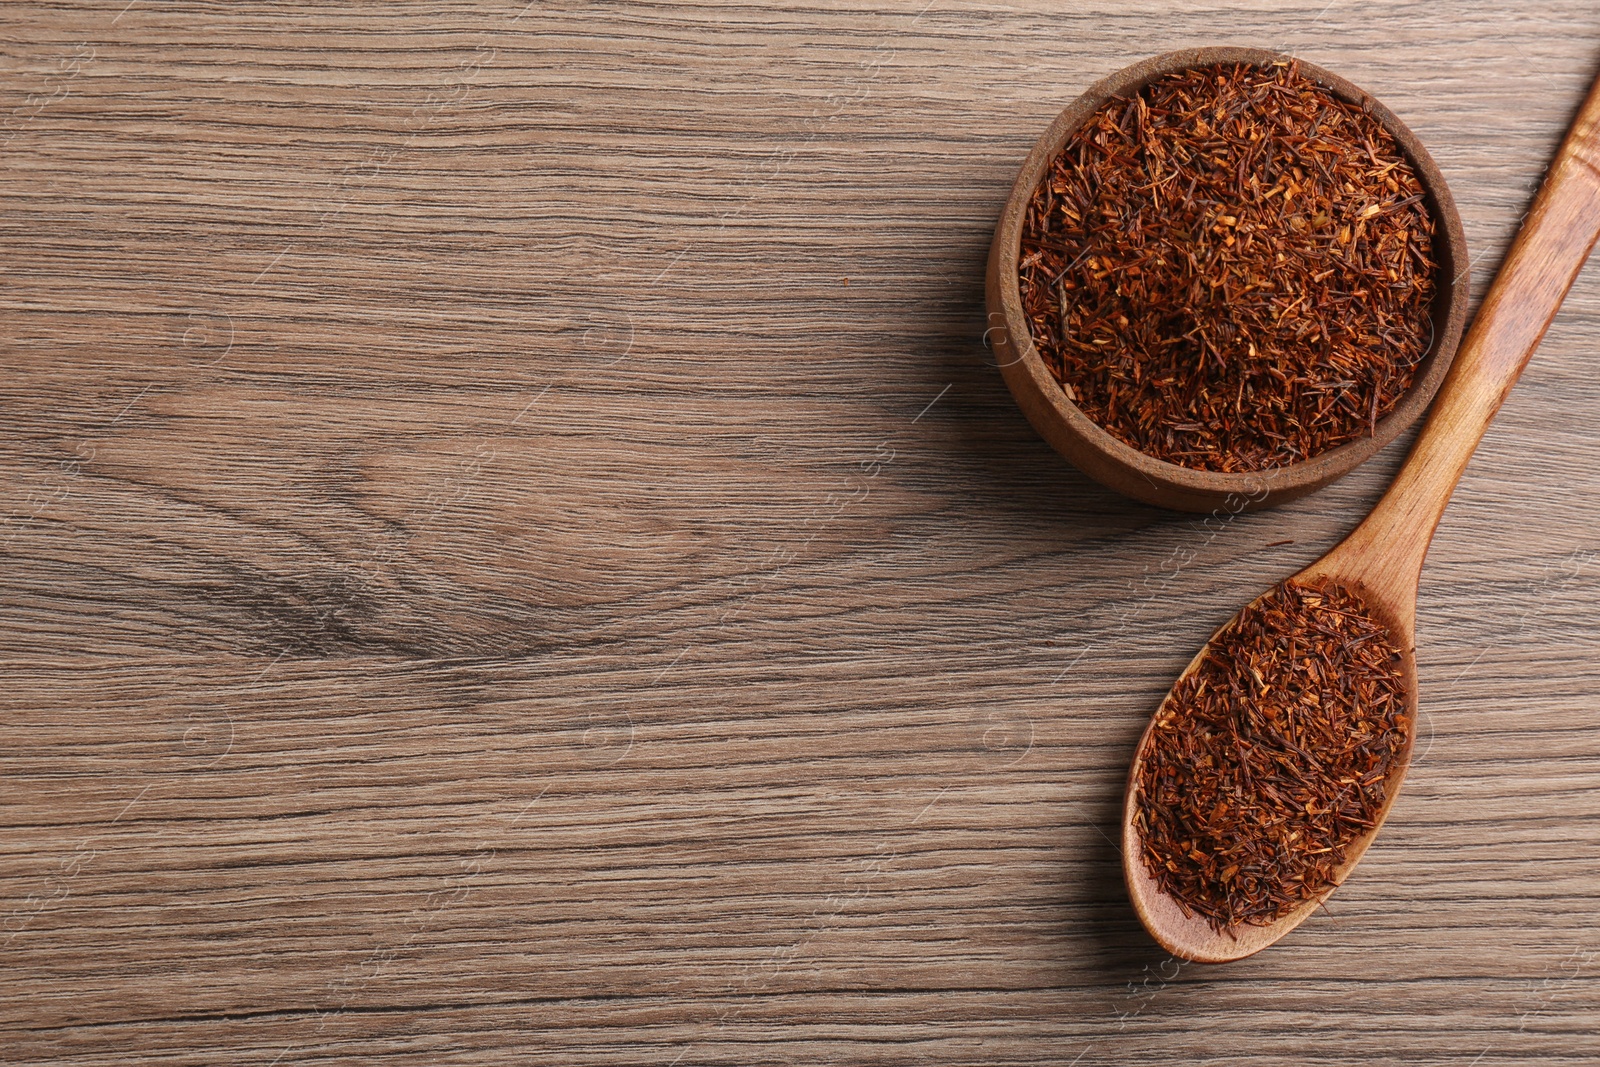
<point>1271,757</point>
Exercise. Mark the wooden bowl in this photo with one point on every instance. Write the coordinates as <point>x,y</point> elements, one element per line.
<point>1118,465</point>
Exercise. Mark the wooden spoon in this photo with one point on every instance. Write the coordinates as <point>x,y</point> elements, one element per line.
<point>1382,559</point>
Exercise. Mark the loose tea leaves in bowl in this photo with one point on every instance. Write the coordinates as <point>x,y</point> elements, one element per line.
<point>1231,269</point>
<point>1272,757</point>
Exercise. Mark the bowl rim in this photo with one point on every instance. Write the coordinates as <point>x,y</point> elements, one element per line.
<point>1275,484</point>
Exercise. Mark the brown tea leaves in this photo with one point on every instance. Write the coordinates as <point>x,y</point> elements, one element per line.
<point>1271,757</point>
<point>1232,270</point>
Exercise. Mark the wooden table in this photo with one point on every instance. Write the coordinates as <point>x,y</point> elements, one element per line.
<point>515,552</point>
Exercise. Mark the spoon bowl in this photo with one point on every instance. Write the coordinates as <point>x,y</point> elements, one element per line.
<point>1190,935</point>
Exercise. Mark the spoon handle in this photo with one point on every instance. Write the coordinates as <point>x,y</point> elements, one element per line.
<point>1544,260</point>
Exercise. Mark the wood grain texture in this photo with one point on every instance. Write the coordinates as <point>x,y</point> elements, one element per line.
<point>514,552</point>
